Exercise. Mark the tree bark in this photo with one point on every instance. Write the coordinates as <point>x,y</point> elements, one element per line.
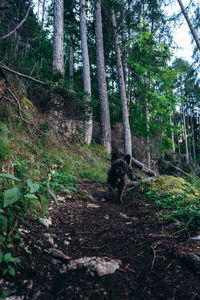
<point>194,34</point>
<point>58,34</point>
<point>185,136</point>
<point>103,93</point>
<point>71,66</point>
<point>142,167</point>
<point>43,12</point>
<point>125,115</point>
<point>86,72</point>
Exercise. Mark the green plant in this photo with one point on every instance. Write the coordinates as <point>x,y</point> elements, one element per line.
<point>61,181</point>
<point>5,147</point>
<point>177,208</point>
<point>8,263</point>
<point>15,202</point>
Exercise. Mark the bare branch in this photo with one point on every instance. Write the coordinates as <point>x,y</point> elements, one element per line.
<point>20,74</point>
<point>19,25</point>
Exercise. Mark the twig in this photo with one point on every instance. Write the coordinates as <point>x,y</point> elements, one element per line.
<point>19,106</point>
<point>154,257</point>
<point>19,25</point>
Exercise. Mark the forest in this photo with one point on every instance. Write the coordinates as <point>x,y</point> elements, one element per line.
<point>82,82</point>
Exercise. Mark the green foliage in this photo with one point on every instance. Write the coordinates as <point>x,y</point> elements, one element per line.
<point>153,86</point>
<point>5,147</point>
<point>8,263</point>
<point>26,198</point>
<point>176,207</point>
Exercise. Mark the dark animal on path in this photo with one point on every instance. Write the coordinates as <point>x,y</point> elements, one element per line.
<point>117,173</point>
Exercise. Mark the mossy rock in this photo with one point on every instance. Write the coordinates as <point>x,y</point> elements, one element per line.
<point>175,186</point>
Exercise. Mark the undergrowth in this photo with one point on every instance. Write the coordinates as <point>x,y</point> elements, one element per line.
<point>34,167</point>
<point>178,208</point>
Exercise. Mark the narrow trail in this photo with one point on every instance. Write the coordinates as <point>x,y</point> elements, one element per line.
<point>150,261</point>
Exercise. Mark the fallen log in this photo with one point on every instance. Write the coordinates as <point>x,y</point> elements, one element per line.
<point>177,169</point>
<point>136,163</point>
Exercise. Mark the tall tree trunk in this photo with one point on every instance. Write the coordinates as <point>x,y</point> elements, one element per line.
<point>194,34</point>
<point>58,34</point>
<point>148,137</point>
<point>185,136</point>
<point>125,115</point>
<point>38,10</point>
<point>43,12</point>
<point>193,140</point>
<point>103,93</point>
<point>71,66</point>
<point>173,139</point>
<point>86,72</point>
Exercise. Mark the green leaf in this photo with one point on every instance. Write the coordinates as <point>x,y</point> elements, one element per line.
<point>44,202</point>
<point>52,195</point>
<point>34,187</point>
<point>3,220</point>
<point>8,258</point>
<point>1,257</point>
<point>11,270</point>
<point>9,176</point>
<point>31,196</point>
<point>11,196</point>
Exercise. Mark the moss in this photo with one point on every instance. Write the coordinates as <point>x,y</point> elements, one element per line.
<point>28,104</point>
<point>176,186</point>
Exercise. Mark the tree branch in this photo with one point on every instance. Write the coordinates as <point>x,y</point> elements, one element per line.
<point>19,25</point>
<point>20,74</point>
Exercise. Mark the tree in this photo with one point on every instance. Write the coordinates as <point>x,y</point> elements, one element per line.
<point>193,32</point>
<point>103,94</point>
<point>58,34</point>
<point>19,25</point>
<point>86,72</point>
<point>152,86</point>
<point>125,115</point>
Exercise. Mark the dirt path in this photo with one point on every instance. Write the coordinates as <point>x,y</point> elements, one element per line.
<point>151,263</point>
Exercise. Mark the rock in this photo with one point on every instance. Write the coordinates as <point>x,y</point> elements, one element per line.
<point>66,243</point>
<point>45,222</point>
<point>192,260</point>
<point>102,265</point>
<point>57,253</point>
<point>107,217</point>
<point>92,205</point>
<point>197,238</point>
<point>124,216</point>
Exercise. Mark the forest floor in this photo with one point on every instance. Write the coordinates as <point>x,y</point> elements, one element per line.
<point>149,255</point>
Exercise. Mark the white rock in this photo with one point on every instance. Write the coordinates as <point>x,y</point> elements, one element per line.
<point>124,216</point>
<point>92,205</point>
<point>45,222</point>
<point>102,265</point>
<point>107,217</point>
<point>197,238</point>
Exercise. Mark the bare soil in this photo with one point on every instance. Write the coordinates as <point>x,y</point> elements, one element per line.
<point>151,253</point>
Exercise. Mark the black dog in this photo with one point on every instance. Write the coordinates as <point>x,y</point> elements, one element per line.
<point>117,173</point>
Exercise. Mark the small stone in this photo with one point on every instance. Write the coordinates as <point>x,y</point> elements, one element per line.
<point>102,265</point>
<point>91,205</point>
<point>107,217</point>
<point>197,238</point>
<point>66,243</point>
<point>124,216</point>
<point>45,222</point>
